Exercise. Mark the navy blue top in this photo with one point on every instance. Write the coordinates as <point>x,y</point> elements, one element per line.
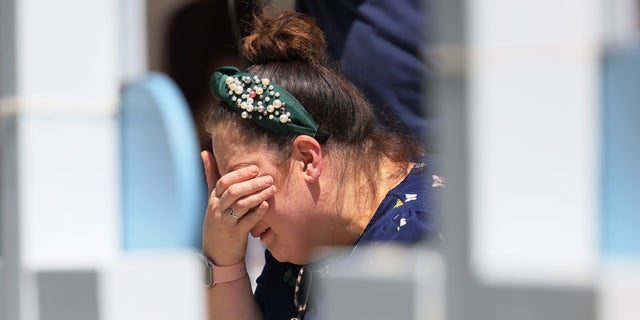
<point>382,47</point>
<point>405,215</point>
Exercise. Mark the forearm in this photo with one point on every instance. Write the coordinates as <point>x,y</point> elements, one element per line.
<point>233,300</point>
<point>230,216</point>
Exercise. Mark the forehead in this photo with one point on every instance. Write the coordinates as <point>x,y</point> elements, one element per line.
<point>231,156</point>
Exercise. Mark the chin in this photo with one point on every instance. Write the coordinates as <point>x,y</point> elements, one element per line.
<point>282,257</point>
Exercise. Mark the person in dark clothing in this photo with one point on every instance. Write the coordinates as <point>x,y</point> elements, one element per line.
<point>300,162</point>
<point>387,41</point>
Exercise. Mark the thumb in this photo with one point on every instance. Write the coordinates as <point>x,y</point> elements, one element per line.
<point>210,169</point>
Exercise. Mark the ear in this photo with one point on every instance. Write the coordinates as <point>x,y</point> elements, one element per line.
<point>307,155</point>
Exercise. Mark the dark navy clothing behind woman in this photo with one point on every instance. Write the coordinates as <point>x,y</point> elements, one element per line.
<point>382,47</point>
<point>406,215</point>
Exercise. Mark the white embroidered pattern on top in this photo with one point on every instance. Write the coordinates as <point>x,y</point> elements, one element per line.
<point>410,197</point>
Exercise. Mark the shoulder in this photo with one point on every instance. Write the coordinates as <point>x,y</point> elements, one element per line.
<point>408,212</point>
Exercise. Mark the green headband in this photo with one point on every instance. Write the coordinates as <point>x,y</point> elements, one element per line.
<point>262,101</point>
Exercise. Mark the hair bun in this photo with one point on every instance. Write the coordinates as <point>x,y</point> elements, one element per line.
<point>290,36</point>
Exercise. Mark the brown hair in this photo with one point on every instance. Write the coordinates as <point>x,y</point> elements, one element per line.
<point>291,51</point>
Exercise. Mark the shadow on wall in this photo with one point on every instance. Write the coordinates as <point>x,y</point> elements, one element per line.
<point>201,37</point>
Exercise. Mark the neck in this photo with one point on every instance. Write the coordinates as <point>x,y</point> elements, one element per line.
<point>358,204</point>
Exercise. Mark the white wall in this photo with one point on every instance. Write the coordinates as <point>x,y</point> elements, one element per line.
<point>534,136</point>
<point>59,109</point>
<point>66,102</point>
<point>63,104</point>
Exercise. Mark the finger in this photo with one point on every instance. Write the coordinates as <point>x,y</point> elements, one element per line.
<point>250,202</point>
<point>234,177</point>
<point>231,212</point>
<point>210,169</point>
<point>254,216</point>
<point>246,194</point>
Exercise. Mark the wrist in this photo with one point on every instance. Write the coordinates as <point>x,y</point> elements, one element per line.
<point>223,256</point>
<point>214,274</point>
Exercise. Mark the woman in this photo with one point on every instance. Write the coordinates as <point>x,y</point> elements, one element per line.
<point>299,161</point>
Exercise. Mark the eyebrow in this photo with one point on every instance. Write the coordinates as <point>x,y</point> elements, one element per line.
<point>240,165</point>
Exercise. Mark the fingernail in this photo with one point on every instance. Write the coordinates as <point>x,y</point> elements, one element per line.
<point>268,180</point>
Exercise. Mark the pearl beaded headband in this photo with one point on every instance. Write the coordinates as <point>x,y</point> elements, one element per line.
<point>263,102</point>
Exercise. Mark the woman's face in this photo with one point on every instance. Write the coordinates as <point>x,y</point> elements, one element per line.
<point>294,223</point>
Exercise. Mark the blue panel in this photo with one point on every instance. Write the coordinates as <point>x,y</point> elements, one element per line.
<point>164,189</point>
<point>621,153</point>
